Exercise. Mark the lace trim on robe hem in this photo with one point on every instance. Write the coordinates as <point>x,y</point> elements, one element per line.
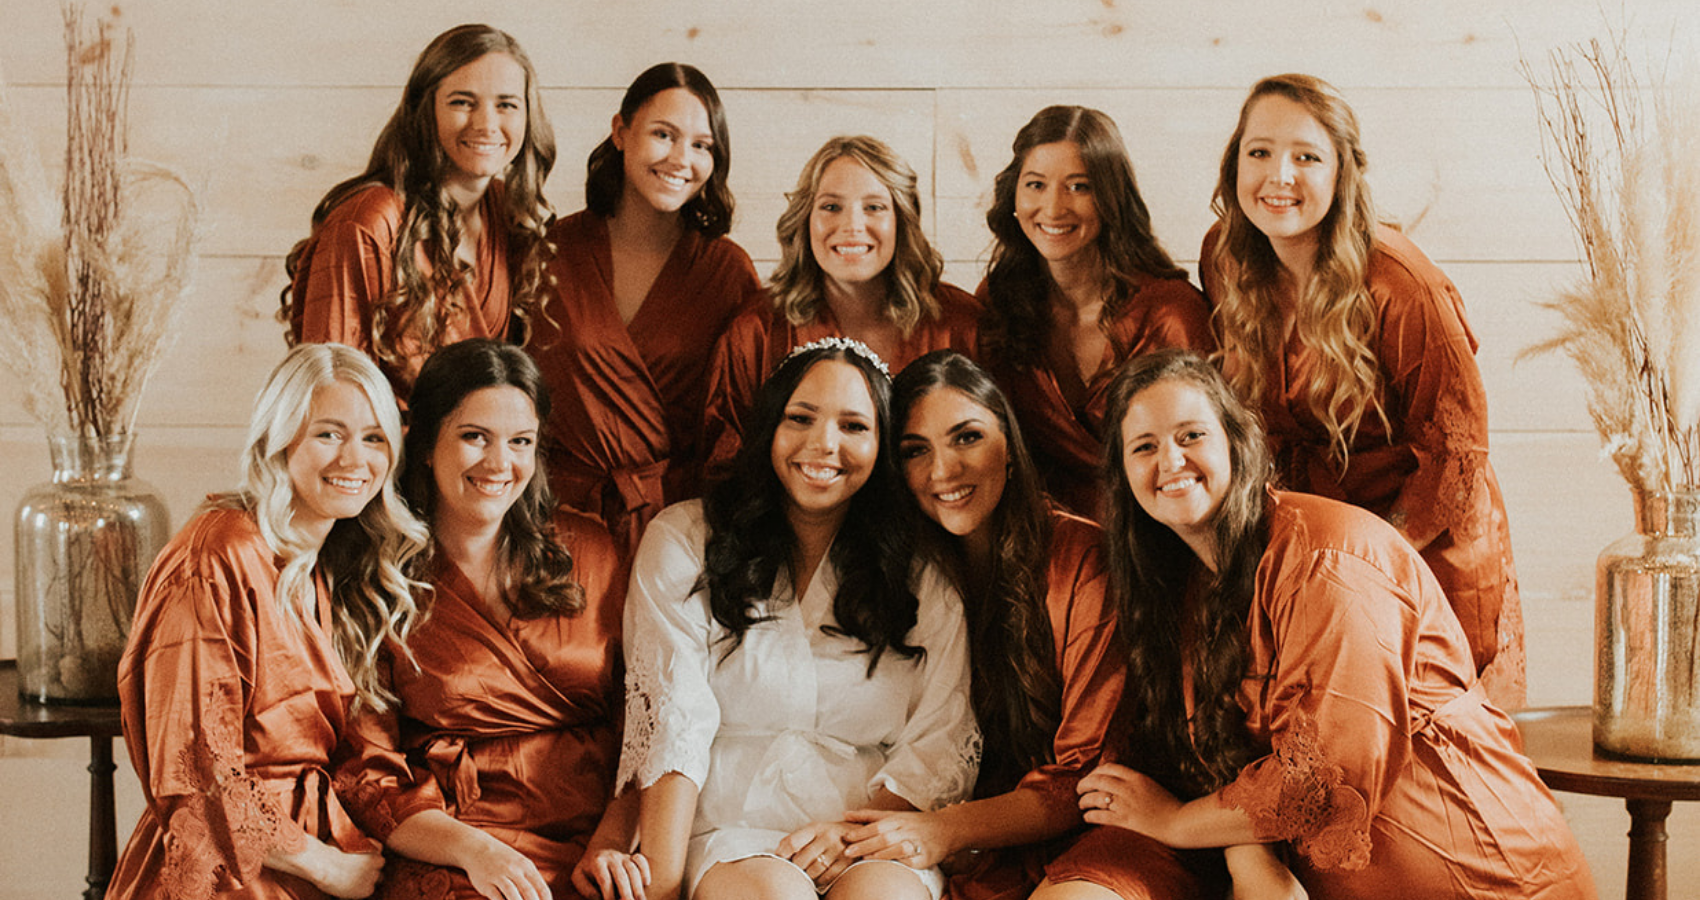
<point>641,760</point>
<point>1451,484</point>
<point>1297,795</point>
<point>218,837</point>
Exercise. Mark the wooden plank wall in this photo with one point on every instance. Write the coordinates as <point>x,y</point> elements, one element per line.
<point>264,106</point>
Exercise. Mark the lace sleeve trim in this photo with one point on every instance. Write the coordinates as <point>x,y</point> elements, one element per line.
<point>1296,794</point>
<point>219,834</point>
<point>1450,483</point>
<point>950,779</point>
<point>644,757</point>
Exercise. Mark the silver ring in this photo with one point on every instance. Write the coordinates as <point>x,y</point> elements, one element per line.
<point>1109,800</point>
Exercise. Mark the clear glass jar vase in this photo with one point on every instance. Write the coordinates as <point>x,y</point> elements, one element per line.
<point>1647,634</point>
<point>84,543</point>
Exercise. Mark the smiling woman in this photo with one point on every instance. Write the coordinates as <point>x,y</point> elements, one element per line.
<point>1078,284</point>
<point>856,264</point>
<point>1355,348</point>
<point>255,646</point>
<point>441,238</point>
<point>643,281</point>
<point>1295,676</point>
<point>514,676</point>
<point>787,662</point>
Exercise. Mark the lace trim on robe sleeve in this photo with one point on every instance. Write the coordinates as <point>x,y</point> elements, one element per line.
<point>952,773</point>
<point>218,836</point>
<point>1448,486</point>
<point>644,758</point>
<point>368,801</point>
<point>1297,795</point>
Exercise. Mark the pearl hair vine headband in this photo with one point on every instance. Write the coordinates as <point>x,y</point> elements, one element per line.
<point>842,343</point>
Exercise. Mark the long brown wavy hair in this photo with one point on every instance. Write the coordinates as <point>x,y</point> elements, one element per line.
<point>1017,321</point>
<point>1152,569</point>
<point>409,159</point>
<point>1016,689</point>
<point>1335,316</point>
<point>710,211</point>
<point>541,568</point>
<point>798,285</point>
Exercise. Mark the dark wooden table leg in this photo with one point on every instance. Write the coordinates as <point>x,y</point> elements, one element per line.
<point>1647,849</point>
<point>103,829</point>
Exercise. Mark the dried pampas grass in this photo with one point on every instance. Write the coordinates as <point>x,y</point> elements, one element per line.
<point>89,285</point>
<point>1622,157</point>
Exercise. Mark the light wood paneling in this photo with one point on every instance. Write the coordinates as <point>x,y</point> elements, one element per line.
<point>265,106</point>
<point>881,43</point>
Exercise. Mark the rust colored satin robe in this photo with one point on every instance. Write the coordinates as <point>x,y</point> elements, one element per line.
<point>512,725</point>
<point>234,715</point>
<point>624,437</point>
<point>1391,774</point>
<point>349,265</point>
<point>1065,436</point>
<point>760,338</point>
<point>1429,474</point>
<point>1092,668</point>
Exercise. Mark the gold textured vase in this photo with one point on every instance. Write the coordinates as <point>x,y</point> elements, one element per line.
<point>1647,634</point>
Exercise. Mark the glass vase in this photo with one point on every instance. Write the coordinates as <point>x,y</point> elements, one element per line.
<point>1647,634</point>
<point>84,543</point>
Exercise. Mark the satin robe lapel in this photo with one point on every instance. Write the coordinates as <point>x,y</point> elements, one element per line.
<point>619,334</point>
<point>457,597</point>
<point>1079,420</point>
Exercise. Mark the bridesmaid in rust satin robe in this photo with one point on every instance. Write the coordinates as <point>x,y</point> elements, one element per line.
<point>1300,677</point>
<point>1065,413</point>
<point>236,705</point>
<point>493,703</point>
<point>644,282</point>
<point>1078,285</point>
<point>1419,456</point>
<point>400,263</point>
<point>498,762</point>
<point>1033,583</point>
<point>856,264</point>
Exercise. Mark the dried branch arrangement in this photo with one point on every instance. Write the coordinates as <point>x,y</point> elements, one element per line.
<point>1621,154</point>
<point>89,285</point>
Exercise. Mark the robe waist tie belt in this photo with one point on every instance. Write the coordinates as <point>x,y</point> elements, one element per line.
<point>797,763</point>
<point>625,498</point>
<point>451,764</point>
<point>1424,723</point>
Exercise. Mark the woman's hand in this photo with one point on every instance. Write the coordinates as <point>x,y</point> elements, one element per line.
<point>340,874</point>
<point>1259,874</point>
<point>499,872</point>
<point>918,840</point>
<point>611,874</point>
<point>1117,795</point>
<point>818,849</point>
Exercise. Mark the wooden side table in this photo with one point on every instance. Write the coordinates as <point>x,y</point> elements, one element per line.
<point>1560,741</point>
<point>100,724</point>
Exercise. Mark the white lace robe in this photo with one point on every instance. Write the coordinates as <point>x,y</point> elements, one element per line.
<point>788,729</point>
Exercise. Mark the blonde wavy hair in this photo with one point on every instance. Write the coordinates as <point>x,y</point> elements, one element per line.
<point>798,285</point>
<point>1335,315</point>
<point>362,559</point>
